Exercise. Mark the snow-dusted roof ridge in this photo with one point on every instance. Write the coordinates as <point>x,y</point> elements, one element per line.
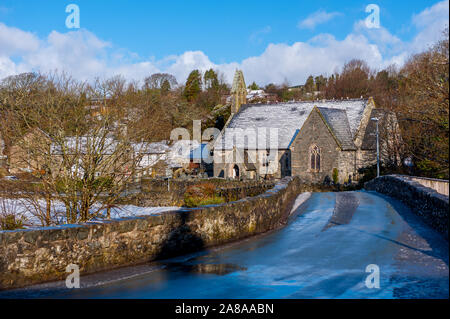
<point>308,101</point>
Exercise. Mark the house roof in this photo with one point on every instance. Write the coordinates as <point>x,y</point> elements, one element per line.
<point>287,118</point>
<point>337,121</point>
<point>151,148</point>
<point>81,144</point>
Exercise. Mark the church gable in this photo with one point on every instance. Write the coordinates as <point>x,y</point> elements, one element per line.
<point>337,122</point>
<point>315,151</point>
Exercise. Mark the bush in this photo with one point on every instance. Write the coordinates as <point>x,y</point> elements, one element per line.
<point>9,217</point>
<point>335,176</point>
<point>196,202</point>
<point>11,222</point>
<point>201,195</point>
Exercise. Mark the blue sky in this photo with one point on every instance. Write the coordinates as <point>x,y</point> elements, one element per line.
<point>269,40</point>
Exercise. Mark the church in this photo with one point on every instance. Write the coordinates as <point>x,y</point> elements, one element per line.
<point>317,140</point>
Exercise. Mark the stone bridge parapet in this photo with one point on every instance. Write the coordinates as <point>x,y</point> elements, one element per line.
<point>424,201</point>
<point>40,255</point>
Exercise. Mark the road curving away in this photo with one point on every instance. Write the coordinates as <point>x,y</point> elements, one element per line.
<point>323,252</point>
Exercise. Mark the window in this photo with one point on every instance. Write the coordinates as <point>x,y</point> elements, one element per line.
<point>315,158</point>
<point>266,158</point>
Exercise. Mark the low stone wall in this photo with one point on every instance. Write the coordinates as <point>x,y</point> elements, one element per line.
<point>439,185</point>
<point>423,201</point>
<point>157,192</point>
<point>40,255</point>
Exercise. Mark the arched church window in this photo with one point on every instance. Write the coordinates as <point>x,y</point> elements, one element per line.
<point>315,158</point>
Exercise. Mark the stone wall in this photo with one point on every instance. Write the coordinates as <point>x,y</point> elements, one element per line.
<point>347,167</point>
<point>40,255</point>
<point>439,185</point>
<point>423,201</point>
<point>159,192</point>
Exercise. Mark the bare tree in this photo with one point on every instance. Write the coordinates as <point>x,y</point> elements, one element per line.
<point>82,160</point>
<point>155,81</point>
<point>423,108</point>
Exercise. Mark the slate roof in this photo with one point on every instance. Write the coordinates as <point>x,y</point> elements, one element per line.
<point>81,144</point>
<point>287,118</point>
<point>151,148</point>
<point>337,121</point>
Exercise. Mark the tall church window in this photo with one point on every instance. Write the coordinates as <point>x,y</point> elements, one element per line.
<point>315,158</point>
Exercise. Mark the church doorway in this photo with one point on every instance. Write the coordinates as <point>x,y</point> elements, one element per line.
<point>236,171</point>
<point>285,164</point>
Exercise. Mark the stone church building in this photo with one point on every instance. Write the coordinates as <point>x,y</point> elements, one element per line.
<point>316,140</point>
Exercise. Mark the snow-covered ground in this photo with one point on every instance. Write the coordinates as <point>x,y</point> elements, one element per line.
<point>23,208</point>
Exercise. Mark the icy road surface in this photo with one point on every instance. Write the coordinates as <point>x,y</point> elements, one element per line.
<point>322,253</point>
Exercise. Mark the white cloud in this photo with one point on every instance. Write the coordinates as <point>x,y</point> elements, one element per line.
<point>80,53</point>
<point>317,18</point>
<point>7,67</point>
<point>15,41</point>
<point>430,23</point>
<point>85,56</point>
<point>294,63</point>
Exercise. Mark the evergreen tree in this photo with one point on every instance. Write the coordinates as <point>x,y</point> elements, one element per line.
<point>310,86</point>
<point>211,81</point>
<point>253,86</point>
<point>193,86</point>
<point>165,87</point>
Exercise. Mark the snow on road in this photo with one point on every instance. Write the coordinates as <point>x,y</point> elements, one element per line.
<point>303,197</point>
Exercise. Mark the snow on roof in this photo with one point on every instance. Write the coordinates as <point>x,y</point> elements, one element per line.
<point>337,120</point>
<point>174,155</point>
<point>180,151</point>
<point>284,118</point>
<point>80,144</point>
<point>151,148</point>
<point>255,92</point>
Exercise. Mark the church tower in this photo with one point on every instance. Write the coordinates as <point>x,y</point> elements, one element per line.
<point>238,92</point>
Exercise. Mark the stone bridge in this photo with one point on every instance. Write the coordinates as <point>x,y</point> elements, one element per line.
<point>312,245</point>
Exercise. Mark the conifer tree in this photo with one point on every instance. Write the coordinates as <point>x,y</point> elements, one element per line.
<point>193,86</point>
